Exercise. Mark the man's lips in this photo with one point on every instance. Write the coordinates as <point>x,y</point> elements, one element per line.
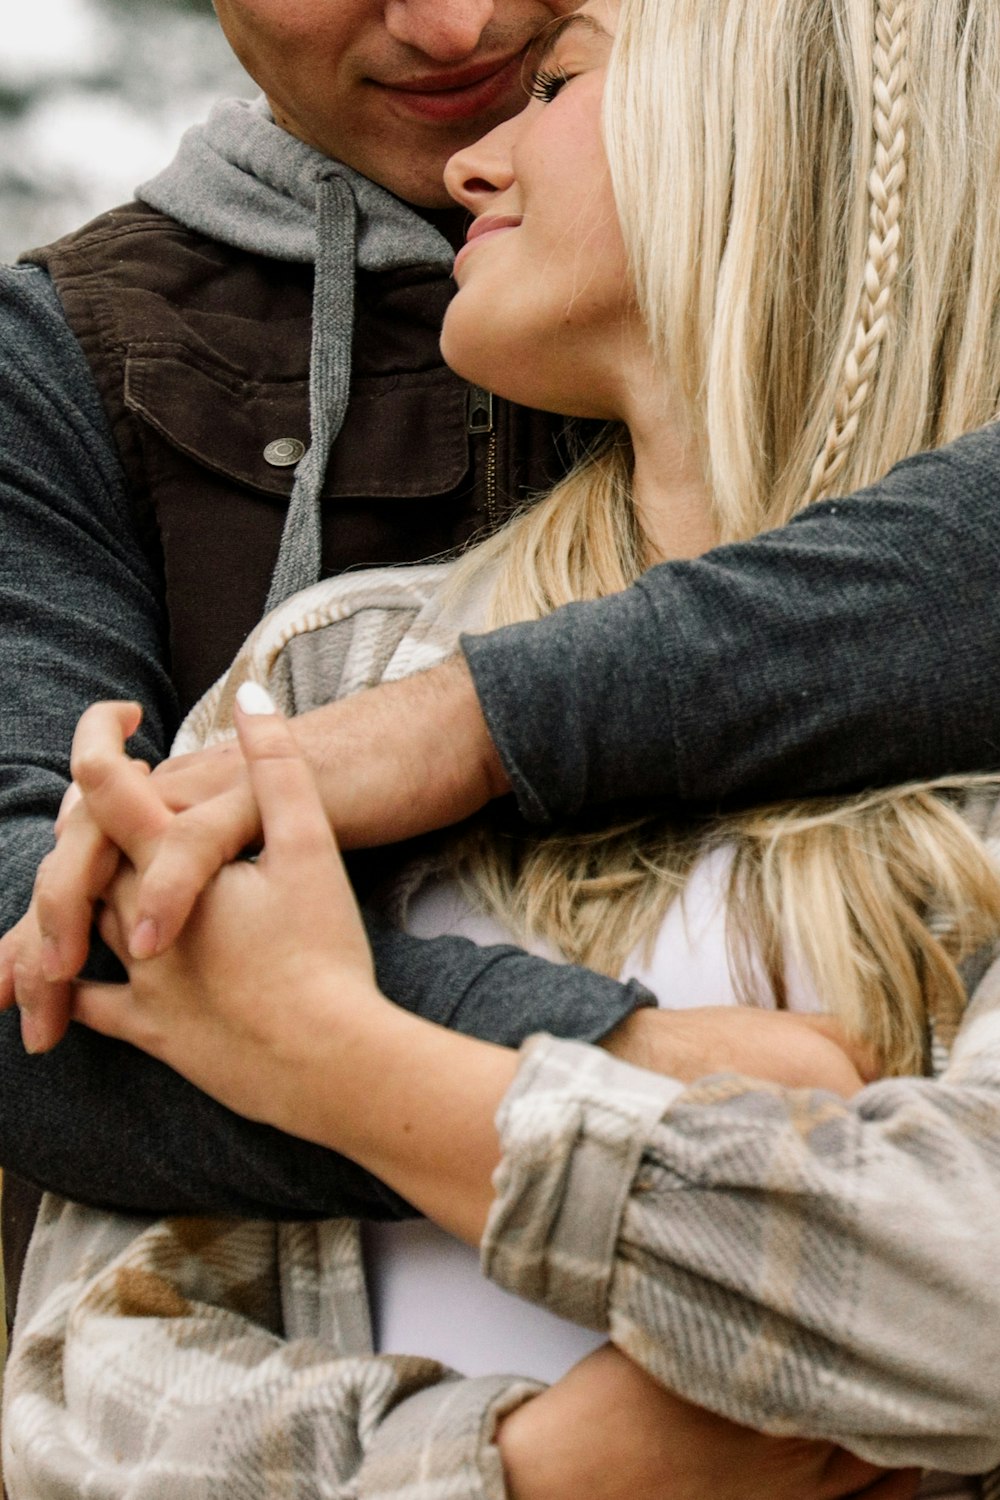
<point>459,95</point>
<point>482,228</point>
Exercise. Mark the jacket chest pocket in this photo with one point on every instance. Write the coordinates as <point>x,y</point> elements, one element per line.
<point>405,435</point>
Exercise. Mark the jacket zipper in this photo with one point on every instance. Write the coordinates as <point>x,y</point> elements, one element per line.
<point>480,422</point>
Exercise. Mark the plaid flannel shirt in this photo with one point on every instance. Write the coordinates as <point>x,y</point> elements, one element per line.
<point>798,1263</point>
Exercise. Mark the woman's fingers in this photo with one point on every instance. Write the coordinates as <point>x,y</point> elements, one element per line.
<point>69,881</point>
<point>300,851</point>
<point>291,813</point>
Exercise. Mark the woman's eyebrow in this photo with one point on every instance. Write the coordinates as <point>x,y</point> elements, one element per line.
<point>545,42</point>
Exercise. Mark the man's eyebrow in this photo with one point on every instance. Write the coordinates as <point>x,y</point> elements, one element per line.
<point>542,47</point>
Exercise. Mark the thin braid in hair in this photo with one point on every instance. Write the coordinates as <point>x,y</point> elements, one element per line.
<point>885,184</point>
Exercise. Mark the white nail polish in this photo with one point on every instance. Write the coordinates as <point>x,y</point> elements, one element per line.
<point>254,699</point>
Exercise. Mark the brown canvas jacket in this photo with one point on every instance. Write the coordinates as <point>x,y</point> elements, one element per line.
<point>201,356</point>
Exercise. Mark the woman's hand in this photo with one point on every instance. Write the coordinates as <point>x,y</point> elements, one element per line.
<point>274,951</point>
<point>391,762</point>
<point>607,1430</point>
<point>268,1001</point>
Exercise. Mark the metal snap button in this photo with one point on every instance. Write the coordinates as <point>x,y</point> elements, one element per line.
<point>284,452</point>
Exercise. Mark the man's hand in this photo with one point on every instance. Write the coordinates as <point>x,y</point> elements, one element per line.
<point>795,1051</point>
<point>48,947</point>
<point>608,1431</point>
<point>44,950</point>
<point>391,762</point>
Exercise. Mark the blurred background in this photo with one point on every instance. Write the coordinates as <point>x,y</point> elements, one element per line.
<point>94,95</point>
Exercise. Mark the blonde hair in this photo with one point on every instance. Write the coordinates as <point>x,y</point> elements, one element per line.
<point>808,195</point>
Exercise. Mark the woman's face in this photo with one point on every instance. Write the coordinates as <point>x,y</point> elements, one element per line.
<point>545,312</point>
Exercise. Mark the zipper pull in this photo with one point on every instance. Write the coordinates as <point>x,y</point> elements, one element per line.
<point>479,410</point>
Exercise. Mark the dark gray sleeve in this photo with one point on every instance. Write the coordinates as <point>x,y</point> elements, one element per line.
<point>82,619</point>
<point>854,646</point>
<point>80,616</point>
<point>99,1122</point>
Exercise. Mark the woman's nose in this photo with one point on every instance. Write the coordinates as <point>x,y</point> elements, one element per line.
<point>474,175</point>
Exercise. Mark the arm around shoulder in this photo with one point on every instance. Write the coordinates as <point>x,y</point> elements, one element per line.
<point>847,648</point>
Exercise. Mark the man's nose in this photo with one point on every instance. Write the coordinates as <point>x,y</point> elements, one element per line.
<point>446,30</point>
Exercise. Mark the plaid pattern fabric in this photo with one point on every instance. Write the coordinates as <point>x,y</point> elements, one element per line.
<point>334,639</point>
<point>178,1359</point>
<point>760,1252</point>
<point>766,1252</point>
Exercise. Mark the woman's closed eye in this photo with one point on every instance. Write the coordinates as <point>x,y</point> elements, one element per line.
<point>546,83</point>
<point>566,48</point>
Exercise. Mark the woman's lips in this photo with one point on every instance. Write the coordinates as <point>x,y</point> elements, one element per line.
<point>482,229</point>
<point>463,95</point>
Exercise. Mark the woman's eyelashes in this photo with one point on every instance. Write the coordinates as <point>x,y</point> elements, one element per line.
<point>546,84</point>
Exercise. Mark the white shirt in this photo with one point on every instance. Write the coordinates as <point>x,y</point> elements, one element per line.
<point>427,1292</point>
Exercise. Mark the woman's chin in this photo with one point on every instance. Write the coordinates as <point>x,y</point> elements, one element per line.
<point>515,376</point>
<point>469,358</point>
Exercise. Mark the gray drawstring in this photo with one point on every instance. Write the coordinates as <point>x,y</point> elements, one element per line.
<point>298,563</point>
<point>246,182</point>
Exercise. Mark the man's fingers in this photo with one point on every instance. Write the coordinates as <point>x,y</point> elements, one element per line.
<point>69,881</point>
<point>44,1006</point>
<point>9,946</point>
<point>100,735</point>
<point>189,854</point>
<point>119,793</point>
<point>113,934</point>
<point>185,780</point>
<point>108,1008</point>
<point>291,813</point>
<point>71,797</point>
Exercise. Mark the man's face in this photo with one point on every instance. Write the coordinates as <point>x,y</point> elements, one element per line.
<point>391,87</point>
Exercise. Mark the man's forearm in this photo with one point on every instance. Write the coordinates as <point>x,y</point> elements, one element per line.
<point>846,649</point>
<point>849,648</point>
<point>101,1123</point>
<point>428,757</point>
